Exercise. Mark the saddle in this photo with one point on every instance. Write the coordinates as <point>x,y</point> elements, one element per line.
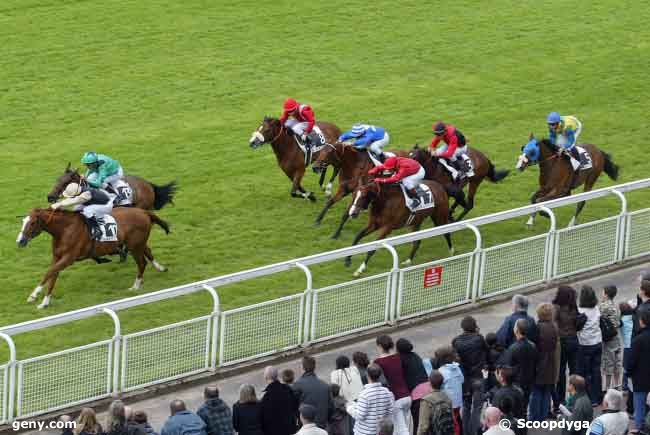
<point>424,195</point>
<point>103,229</point>
<point>315,142</point>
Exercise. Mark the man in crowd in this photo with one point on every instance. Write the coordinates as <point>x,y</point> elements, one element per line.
<point>182,421</point>
<point>307,418</point>
<point>578,408</point>
<point>312,391</point>
<point>215,413</point>
<point>374,404</point>
<point>436,417</point>
<point>613,420</point>
<point>522,356</point>
<point>278,406</point>
<point>505,335</point>
<point>509,398</point>
<point>639,366</point>
<point>492,418</point>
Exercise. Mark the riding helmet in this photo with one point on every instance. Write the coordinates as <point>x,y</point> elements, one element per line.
<point>553,118</point>
<point>290,105</point>
<point>439,127</point>
<point>358,130</point>
<point>89,158</point>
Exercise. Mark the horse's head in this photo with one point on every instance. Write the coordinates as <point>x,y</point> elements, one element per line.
<point>363,197</point>
<point>329,155</point>
<point>32,226</point>
<point>69,176</point>
<point>529,154</point>
<point>268,131</point>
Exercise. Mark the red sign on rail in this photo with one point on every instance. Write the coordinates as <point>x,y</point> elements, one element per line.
<point>432,276</point>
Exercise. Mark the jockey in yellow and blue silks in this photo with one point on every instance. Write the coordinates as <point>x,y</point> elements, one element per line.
<point>368,137</point>
<point>564,132</point>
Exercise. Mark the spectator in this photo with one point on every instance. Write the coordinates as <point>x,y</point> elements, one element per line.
<point>578,408</point>
<point>140,421</point>
<point>473,352</point>
<point>361,362</point>
<point>386,426</point>
<point>182,421</point>
<point>312,391</point>
<point>547,363</point>
<point>493,416</point>
<point>278,405</point>
<point>505,334</point>
<point>375,403</point>
<point>215,413</point>
<point>339,420</point>
<point>247,412</point>
<point>626,336</point>
<point>590,340</point>
<point>414,375</point>
<point>348,378</point>
<point>65,420</point>
<point>452,381</point>
<point>116,421</point>
<point>288,377</point>
<point>638,366</point>
<point>391,365</point>
<point>436,415</point>
<point>308,415</point>
<point>612,366</point>
<point>613,421</point>
<point>509,398</point>
<point>522,356</point>
<point>642,300</point>
<point>494,355</point>
<point>87,423</point>
<point>566,311</point>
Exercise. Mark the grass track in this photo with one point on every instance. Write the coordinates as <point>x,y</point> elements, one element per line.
<point>173,90</point>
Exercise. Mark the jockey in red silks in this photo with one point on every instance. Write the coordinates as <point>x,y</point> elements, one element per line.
<point>299,118</point>
<point>455,146</point>
<point>407,171</point>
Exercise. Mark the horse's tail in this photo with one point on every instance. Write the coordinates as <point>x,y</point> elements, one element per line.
<point>611,168</point>
<point>163,194</point>
<point>494,175</point>
<point>156,220</point>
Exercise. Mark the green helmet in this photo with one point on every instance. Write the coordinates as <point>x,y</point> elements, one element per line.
<point>89,158</point>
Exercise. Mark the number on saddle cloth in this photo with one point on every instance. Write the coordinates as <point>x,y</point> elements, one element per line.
<point>108,228</point>
<point>124,193</point>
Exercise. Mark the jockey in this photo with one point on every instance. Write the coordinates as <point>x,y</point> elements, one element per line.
<point>564,132</point>
<point>103,172</point>
<point>302,119</point>
<point>368,137</point>
<point>455,146</point>
<point>407,171</point>
<point>93,203</point>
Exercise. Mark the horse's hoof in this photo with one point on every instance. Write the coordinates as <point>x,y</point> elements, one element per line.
<point>406,262</point>
<point>42,306</point>
<point>347,262</point>
<point>311,197</point>
<point>30,299</point>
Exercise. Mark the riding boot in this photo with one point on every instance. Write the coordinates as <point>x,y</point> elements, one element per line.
<point>124,252</point>
<point>415,198</point>
<point>101,260</point>
<point>95,231</point>
<point>307,144</point>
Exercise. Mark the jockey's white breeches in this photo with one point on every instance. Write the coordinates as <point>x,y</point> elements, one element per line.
<point>97,210</point>
<point>297,127</point>
<point>459,152</point>
<point>112,179</point>
<point>377,147</point>
<point>413,181</point>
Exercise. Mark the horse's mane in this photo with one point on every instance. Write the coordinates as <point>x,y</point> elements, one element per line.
<point>547,143</point>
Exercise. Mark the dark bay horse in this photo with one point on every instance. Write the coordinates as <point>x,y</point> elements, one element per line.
<point>388,212</point>
<point>556,175</point>
<point>146,195</point>
<point>290,157</point>
<point>353,164</point>
<point>483,168</point>
<point>71,241</point>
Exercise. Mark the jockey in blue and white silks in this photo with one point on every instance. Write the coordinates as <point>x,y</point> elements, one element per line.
<point>368,137</point>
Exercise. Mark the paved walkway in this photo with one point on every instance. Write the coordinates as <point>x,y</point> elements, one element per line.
<point>425,338</point>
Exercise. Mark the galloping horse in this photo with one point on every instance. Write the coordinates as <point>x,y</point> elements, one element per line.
<point>71,241</point>
<point>291,158</point>
<point>483,168</point>
<point>388,212</point>
<point>146,195</point>
<point>556,175</point>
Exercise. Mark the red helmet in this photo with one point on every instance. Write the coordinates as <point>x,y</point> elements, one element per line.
<point>290,105</point>
<point>439,128</point>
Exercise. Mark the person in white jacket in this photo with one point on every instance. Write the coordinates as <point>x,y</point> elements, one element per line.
<point>348,378</point>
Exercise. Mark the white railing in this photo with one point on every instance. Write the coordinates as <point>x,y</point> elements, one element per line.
<point>127,362</point>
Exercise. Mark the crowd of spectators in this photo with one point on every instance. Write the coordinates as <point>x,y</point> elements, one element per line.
<point>583,355</point>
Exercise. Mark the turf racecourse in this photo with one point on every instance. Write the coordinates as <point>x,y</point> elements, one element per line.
<point>174,89</point>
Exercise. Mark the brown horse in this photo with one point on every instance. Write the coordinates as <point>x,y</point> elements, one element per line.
<point>71,241</point>
<point>556,175</point>
<point>291,158</point>
<point>388,212</point>
<point>146,195</point>
<point>483,168</point>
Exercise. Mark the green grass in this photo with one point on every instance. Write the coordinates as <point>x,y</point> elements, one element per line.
<point>174,89</point>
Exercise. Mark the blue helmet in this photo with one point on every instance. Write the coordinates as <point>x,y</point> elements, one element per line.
<point>358,130</point>
<point>553,118</point>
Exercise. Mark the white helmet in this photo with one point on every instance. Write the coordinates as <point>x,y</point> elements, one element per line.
<point>72,190</point>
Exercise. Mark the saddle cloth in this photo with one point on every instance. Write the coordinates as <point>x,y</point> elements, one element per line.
<point>108,228</point>
<point>124,194</point>
<point>317,143</point>
<point>376,161</point>
<point>585,158</point>
<point>425,195</point>
<point>467,161</point>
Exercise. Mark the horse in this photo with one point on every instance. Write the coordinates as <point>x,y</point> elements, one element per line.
<point>483,168</point>
<point>353,164</point>
<point>71,241</point>
<point>556,175</point>
<point>146,195</point>
<point>388,212</point>
<point>291,158</point>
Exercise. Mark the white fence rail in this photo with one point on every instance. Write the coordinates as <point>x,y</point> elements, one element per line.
<point>54,381</point>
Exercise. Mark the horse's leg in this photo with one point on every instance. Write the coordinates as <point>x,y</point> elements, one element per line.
<point>589,184</point>
<point>360,235</point>
<point>416,246</point>
<point>344,219</point>
<point>297,187</point>
<point>533,199</point>
<point>141,261</point>
<point>159,267</point>
<point>50,276</point>
<point>335,173</point>
<point>469,204</point>
<point>340,193</point>
<point>321,179</point>
<point>383,232</point>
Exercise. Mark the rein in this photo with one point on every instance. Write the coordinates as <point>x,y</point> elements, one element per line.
<point>279,133</point>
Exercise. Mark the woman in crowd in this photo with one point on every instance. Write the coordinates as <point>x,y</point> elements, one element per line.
<point>391,365</point>
<point>453,381</point>
<point>247,413</point>
<point>87,423</point>
<point>361,362</point>
<point>547,363</point>
<point>565,313</point>
<point>347,378</point>
<point>415,376</point>
<point>590,341</point>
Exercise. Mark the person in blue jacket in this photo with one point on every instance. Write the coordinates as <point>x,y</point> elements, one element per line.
<point>368,137</point>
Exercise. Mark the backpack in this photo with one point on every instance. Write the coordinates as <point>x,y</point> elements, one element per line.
<point>442,420</point>
<point>607,329</point>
